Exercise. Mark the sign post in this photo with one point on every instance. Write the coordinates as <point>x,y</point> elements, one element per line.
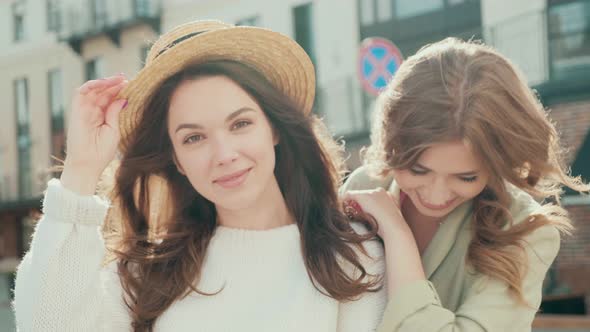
<point>379,59</point>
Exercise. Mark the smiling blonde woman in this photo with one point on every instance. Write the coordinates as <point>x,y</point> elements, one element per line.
<point>461,154</point>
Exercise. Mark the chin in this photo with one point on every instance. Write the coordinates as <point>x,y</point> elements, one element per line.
<point>435,213</point>
<point>236,201</point>
<point>438,213</point>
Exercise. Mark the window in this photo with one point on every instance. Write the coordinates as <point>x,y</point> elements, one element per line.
<point>21,95</point>
<point>569,38</point>
<point>56,106</point>
<point>384,10</point>
<point>94,69</point>
<point>18,20</point>
<point>367,11</point>
<point>409,8</point>
<point>250,21</point>
<point>99,14</point>
<point>53,17</point>
<point>378,11</point>
<point>143,54</point>
<point>6,279</point>
<point>142,8</point>
<point>302,17</point>
<point>3,177</point>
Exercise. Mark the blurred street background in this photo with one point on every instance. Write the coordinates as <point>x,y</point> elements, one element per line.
<point>50,47</point>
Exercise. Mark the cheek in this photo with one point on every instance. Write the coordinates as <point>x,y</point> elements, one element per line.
<point>407,181</point>
<point>195,167</point>
<point>260,147</point>
<point>264,158</point>
<point>468,190</point>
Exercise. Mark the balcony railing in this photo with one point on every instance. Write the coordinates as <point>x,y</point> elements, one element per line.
<point>106,17</point>
<point>13,195</point>
<point>544,47</point>
<point>523,39</point>
<point>411,32</point>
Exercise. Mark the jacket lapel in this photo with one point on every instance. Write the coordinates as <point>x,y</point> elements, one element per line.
<point>445,237</point>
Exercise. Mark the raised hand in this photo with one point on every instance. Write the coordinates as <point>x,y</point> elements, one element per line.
<point>93,133</point>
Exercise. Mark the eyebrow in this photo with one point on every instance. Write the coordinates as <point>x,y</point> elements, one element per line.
<point>229,118</point>
<point>471,173</point>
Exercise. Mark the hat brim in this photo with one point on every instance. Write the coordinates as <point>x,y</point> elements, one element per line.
<point>279,58</point>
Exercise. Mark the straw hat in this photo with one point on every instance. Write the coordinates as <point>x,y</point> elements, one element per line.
<point>279,58</point>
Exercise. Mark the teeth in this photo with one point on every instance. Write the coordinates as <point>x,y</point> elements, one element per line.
<point>434,204</point>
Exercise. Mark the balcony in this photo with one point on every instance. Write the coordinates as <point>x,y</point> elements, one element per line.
<point>568,37</point>
<point>106,18</point>
<point>551,47</point>
<point>411,25</point>
<point>22,193</point>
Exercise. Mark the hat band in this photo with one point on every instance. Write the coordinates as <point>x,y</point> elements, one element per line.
<point>178,40</point>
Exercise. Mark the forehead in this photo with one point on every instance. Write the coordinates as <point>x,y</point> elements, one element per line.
<point>450,157</point>
<point>207,99</point>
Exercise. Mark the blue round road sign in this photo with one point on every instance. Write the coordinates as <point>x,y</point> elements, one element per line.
<point>379,59</point>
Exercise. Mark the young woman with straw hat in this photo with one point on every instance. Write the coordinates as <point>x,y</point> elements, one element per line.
<point>224,211</point>
<point>461,153</point>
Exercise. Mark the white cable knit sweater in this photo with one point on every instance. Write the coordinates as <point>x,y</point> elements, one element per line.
<point>61,286</point>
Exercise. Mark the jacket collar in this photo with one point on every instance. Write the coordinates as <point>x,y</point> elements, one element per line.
<point>445,237</point>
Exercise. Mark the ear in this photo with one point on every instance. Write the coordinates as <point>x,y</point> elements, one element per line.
<point>275,137</point>
<point>178,167</point>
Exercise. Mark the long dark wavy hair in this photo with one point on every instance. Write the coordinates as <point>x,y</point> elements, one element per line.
<point>160,257</point>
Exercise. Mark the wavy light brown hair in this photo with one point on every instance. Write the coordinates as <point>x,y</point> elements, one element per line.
<point>456,90</point>
<point>160,256</point>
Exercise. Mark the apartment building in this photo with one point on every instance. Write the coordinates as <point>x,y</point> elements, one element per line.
<point>50,47</point>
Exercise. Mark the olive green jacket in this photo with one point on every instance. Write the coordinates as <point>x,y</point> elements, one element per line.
<point>455,298</point>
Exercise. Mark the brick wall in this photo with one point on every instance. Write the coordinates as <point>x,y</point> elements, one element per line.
<point>573,262</point>
<point>9,237</point>
<point>573,122</point>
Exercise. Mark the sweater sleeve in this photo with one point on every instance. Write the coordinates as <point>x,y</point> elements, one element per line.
<point>360,179</point>
<point>487,307</point>
<point>60,283</point>
<point>365,313</point>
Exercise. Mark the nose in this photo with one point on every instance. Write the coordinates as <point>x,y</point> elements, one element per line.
<point>438,192</point>
<point>224,151</point>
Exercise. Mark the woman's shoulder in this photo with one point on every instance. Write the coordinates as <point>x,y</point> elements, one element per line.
<point>524,208</point>
<point>373,246</point>
<point>361,179</point>
<point>522,203</point>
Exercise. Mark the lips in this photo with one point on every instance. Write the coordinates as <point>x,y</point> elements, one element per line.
<point>232,180</point>
<point>446,205</point>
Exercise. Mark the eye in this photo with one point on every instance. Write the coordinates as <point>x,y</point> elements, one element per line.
<point>468,178</point>
<point>241,124</point>
<point>418,171</point>
<point>192,139</point>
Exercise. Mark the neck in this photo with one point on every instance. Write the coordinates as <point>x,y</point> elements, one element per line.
<point>415,219</point>
<point>423,227</point>
<point>269,211</point>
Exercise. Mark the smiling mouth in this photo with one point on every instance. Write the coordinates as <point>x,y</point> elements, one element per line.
<point>233,180</point>
<point>446,205</point>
